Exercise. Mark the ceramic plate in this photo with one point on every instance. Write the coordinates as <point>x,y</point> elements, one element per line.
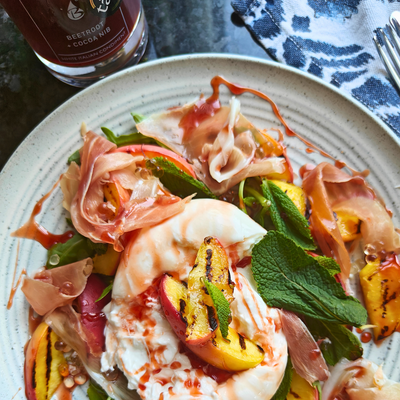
<point>317,111</point>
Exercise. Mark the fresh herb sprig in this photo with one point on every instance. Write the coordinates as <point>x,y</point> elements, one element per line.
<point>75,249</point>
<point>286,217</point>
<point>178,182</point>
<point>221,305</point>
<point>287,277</point>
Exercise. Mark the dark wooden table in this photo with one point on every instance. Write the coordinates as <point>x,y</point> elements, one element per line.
<point>28,93</point>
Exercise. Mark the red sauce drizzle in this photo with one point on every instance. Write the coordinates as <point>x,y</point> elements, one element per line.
<point>366,337</point>
<point>219,375</point>
<point>392,261</point>
<point>14,288</point>
<point>32,230</point>
<point>188,123</point>
<point>314,354</point>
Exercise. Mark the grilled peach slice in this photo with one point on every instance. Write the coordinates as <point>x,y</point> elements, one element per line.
<point>41,364</point>
<point>300,389</point>
<point>211,263</point>
<point>107,263</point>
<point>381,287</point>
<point>238,354</point>
<point>116,195</point>
<point>349,226</point>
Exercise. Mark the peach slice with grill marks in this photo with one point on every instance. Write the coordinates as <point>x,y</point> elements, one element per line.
<point>212,264</point>
<point>42,376</point>
<point>235,354</point>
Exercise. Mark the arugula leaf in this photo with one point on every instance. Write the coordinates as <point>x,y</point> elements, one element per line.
<point>96,392</point>
<point>342,343</point>
<point>329,264</point>
<point>284,387</point>
<point>138,118</point>
<point>106,291</point>
<point>125,140</point>
<point>75,157</point>
<point>317,385</point>
<point>179,182</point>
<point>221,304</point>
<point>287,277</point>
<point>75,249</point>
<point>286,217</point>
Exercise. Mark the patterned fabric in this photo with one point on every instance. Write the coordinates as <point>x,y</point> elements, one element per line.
<point>331,39</point>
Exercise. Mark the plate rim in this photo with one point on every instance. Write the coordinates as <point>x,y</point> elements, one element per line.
<point>202,56</point>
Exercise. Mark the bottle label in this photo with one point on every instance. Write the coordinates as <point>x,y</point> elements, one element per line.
<point>76,32</point>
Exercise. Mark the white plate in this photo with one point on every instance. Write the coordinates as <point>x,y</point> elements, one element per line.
<point>315,110</point>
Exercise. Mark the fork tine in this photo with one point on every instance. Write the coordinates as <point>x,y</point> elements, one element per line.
<point>390,49</point>
<point>386,62</point>
<point>394,21</point>
<point>394,38</point>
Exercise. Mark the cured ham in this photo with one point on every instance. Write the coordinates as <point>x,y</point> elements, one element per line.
<point>223,146</point>
<point>148,204</point>
<point>359,380</point>
<point>330,189</point>
<point>306,356</point>
<point>57,287</point>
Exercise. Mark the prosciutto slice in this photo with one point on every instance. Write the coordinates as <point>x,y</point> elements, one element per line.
<point>57,287</point>
<point>223,146</point>
<point>148,205</point>
<point>69,184</point>
<point>359,380</point>
<point>330,189</point>
<point>303,350</point>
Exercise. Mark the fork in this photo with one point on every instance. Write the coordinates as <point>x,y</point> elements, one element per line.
<point>393,66</point>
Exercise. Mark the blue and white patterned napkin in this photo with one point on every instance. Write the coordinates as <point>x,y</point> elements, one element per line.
<point>331,39</point>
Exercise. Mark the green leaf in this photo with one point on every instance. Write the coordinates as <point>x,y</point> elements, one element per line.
<point>221,304</point>
<point>317,385</point>
<point>75,157</point>
<point>287,277</point>
<point>329,264</point>
<point>138,118</point>
<point>286,217</point>
<point>96,392</point>
<point>106,291</point>
<point>179,182</point>
<point>75,249</point>
<point>284,387</point>
<point>342,343</point>
<point>125,140</point>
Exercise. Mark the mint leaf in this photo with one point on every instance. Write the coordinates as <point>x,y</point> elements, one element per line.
<point>286,217</point>
<point>75,157</point>
<point>284,387</point>
<point>329,264</point>
<point>287,277</point>
<point>96,392</point>
<point>125,140</point>
<point>106,291</point>
<point>179,182</point>
<point>221,304</point>
<point>342,343</point>
<point>75,249</point>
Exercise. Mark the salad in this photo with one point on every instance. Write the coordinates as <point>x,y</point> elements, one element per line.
<point>196,268</point>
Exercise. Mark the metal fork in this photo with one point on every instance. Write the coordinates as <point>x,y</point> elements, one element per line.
<point>393,66</point>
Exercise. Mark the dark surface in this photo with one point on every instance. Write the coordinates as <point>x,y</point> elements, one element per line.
<point>28,93</point>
